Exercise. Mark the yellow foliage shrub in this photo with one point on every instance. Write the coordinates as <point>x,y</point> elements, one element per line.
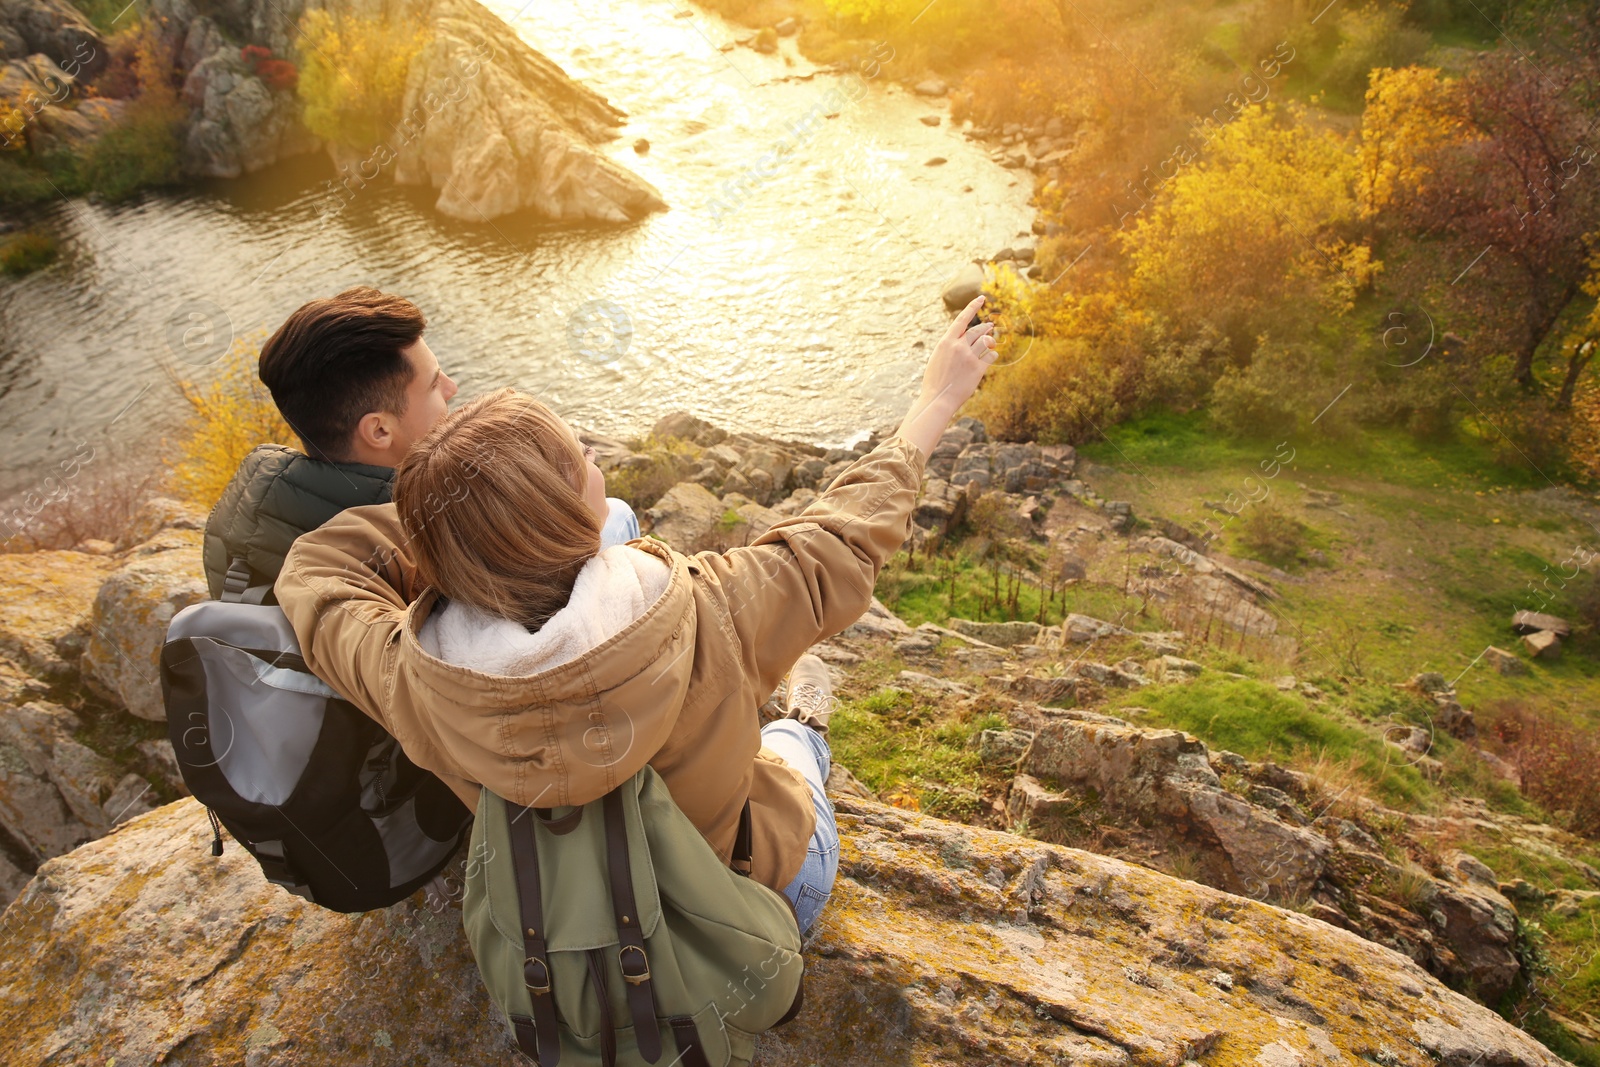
<point>353,74</point>
<point>230,412</point>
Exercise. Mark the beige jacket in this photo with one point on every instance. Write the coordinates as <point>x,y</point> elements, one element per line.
<point>676,688</point>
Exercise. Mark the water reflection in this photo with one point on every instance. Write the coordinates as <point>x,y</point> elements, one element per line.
<point>792,307</point>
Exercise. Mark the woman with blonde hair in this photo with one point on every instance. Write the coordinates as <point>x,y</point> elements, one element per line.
<point>478,618</point>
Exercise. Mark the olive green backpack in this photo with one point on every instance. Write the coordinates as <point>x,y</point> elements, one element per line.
<point>610,933</point>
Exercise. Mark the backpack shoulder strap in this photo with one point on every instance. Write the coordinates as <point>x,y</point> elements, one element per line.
<point>630,937</point>
<point>536,1037</point>
<point>236,587</point>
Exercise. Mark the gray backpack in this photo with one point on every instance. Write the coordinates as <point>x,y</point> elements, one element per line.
<point>323,798</point>
<point>611,933</point>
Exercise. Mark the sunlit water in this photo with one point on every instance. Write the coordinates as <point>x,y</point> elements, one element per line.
<point>796,308</point>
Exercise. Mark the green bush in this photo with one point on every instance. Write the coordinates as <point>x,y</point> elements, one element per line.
<point>1253,403</point>
<point>27,252</point>
<point>1372,37</point>
<point>140,152</point>
<point>1272,535</point>
<point>22,184</point>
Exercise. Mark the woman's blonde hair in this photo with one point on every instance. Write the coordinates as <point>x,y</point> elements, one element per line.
<point>491,501</point>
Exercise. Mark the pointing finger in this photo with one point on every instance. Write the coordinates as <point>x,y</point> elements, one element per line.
<point>959,326</point>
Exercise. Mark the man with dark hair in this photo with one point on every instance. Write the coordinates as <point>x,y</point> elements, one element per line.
<point>356,382</point>
<point>354,378</point>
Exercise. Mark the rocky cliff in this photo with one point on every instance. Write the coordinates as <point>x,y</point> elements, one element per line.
<point>973,944</point>
<point>490,123</point>
<point>943,944</point>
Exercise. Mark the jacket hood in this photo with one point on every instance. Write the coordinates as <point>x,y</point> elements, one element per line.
<point>601,684</point>
<point>611,591</point>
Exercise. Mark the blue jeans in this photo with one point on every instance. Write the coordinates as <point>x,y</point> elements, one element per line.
<point>622,525</point>
<point>807,752</point>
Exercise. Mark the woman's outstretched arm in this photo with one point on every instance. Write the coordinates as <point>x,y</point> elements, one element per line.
<point>811,575</point>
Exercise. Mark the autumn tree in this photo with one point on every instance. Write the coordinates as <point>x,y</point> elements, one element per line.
<point>1260,232</point>
<point>1517,189</point>
<point>1410,113</point>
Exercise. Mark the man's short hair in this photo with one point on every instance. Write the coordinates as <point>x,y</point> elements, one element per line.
<point>337,359</point>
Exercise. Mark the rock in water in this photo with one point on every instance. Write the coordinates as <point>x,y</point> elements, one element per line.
<point>943,944</point>
<point>966,287</point>
<point>503,129</point>
<point>490,123</point>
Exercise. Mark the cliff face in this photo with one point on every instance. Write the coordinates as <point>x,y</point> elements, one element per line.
<point>943,944</point>
<point>489,122</point>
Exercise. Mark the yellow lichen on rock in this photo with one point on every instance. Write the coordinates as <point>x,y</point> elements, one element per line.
<point>45,603</point>
<point>943,944</point>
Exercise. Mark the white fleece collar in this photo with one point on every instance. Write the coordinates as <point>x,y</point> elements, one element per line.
<point>613,589</point>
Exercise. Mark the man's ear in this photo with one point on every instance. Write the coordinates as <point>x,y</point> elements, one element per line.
<point>373,433</point>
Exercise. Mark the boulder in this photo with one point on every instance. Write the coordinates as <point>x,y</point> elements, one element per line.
<point>1059,692</point>
<point>1480,925</point>
<point>136,602</point>
<point>46,604</point>
<point>496,127</point>
<point>686,517</point>
<point>34,81</point>
<point>1077,627</point>
<point>1162,779</point>
<point>1454,719</point>
<point>795,503</point>
<point>61,129</point>
<point>998,633</point>
<point>1503,769</point>
<point>964,288</point>
<point>940,506</point>
<point>690,428</point>
<point>1028,801</point>
<point>931,87</point>
<point>56,29</point>
<point>1105,674</point>
<point>1543,644</point>
<point>755,519</point>
<point>808,472</point>
<point>877,621</point>
<point>941,944</point>
<point>1003,746</point>
<point>769,472</point>
<point>1528,622</point>
<point>55,792</point>
<point>157,515</point>
<point>1172,669</point>
<point>238,125</point>
<point>1503,661</point>
<point>1016,468</point>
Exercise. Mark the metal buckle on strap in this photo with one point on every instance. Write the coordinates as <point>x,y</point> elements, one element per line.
<point>536,975</point>
<point>640,976</point>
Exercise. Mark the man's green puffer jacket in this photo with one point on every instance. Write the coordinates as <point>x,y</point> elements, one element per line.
<point>278,494</point>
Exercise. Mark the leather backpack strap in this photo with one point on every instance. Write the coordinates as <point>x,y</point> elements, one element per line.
<point>543,1043</point>
<point>690,1052</point>
<point>743,843</point>
<point>631,955</point>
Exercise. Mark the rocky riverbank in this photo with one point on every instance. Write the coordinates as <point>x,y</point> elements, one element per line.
<point>1282,895</point>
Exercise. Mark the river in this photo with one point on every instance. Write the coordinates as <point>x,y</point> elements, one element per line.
<point>802,308</point>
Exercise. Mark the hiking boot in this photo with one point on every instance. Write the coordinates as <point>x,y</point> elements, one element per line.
<point>810,694</point>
